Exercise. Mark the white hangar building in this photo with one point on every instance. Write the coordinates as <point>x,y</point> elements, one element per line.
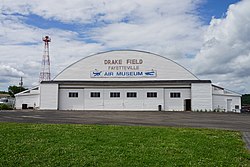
<point>128,80</point>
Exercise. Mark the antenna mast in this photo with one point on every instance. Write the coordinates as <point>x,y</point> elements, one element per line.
<point>21,82</point>
<point>45,70</point>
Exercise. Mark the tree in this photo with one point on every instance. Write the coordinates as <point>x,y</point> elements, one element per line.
<point>3,92</point>
<point>15,89</point>
<point>245,99</point>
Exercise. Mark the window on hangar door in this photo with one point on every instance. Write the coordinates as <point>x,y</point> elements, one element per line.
<point>132,94</point>
<point>151,94</point>
<point>95,94</point>
<point>73,94</point>
<point>114,94</point>
<point>175,94</point>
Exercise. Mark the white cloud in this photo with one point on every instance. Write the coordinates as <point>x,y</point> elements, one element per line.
<point>6,70</point>
<point>88,11</point>
<point>225,55</point>
<point>171,28</point>
<point>168,27</point>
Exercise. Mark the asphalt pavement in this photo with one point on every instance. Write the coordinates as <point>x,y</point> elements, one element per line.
<point>227,121</point>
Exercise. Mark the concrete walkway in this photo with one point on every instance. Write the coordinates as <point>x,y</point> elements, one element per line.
<point>227,121</point>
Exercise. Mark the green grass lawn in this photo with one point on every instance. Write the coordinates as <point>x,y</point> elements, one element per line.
<point>91,145</point>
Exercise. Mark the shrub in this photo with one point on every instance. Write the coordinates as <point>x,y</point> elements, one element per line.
<point>5,107</point>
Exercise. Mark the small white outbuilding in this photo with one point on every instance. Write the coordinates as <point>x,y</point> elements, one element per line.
<point>28,99</point>
<point>128,80</point>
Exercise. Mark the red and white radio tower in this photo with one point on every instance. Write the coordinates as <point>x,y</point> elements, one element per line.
<point>45,70</point>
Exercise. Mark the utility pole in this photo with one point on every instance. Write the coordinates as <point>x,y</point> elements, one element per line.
<point>21,84</point>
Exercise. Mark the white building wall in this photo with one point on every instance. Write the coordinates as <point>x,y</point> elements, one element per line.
<point>201,95</point>
<point>32,100</point>
<point>221,102</point>
<point>71,103</point>
<point>49,96</point>
<point>176,104</point>
<point>236,101</point>
<point>200,98</point>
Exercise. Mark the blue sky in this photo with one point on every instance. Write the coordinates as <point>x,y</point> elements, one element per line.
<point>205,36</point>
<point>216,8</point>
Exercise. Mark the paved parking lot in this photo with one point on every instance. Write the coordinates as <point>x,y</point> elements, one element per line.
<point>228,121</point>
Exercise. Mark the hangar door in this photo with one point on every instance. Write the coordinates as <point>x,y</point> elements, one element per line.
<point>71,99</point>
<point>110,99</point>
<point>123,99</point>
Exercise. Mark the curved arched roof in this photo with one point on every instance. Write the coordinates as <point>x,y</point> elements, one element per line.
<point>124,65</point>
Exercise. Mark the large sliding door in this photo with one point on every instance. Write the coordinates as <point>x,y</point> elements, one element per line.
<point>113,99</point>
<point>71,99</point>
<point>148,99</point>
<point>133,99</point>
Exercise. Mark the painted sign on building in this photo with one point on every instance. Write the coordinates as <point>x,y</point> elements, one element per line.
<point>122,68</point>
<point>122,74</point>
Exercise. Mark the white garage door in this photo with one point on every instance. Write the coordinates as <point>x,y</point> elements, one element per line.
<point>71,99</point>
<point>124,99</point>
<point>111,99</point>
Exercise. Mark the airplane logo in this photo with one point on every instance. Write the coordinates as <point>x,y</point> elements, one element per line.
<point>96,73</point>
<point>150,73</point>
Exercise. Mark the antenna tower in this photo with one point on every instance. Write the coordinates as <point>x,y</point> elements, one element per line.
<point>45,70</point>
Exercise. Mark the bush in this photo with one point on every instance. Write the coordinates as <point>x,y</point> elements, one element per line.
<point>5,107</point>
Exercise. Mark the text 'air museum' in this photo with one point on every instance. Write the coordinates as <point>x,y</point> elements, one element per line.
<point>128,80</point>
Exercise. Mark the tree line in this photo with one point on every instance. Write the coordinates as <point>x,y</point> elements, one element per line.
<point>245,99</point>
<point>12,90</point>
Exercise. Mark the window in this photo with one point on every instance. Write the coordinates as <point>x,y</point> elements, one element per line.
<point>237,107</point>
<point>95,94</point>
<point>73,94</point>
<point>131,94</point>
<point>152,94</point>
<point>114,94</point>
<point>175,94</point>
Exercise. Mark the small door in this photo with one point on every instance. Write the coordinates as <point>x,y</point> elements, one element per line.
<point>229,105</point>
<point>24,106</point>
<point>187,104</point>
